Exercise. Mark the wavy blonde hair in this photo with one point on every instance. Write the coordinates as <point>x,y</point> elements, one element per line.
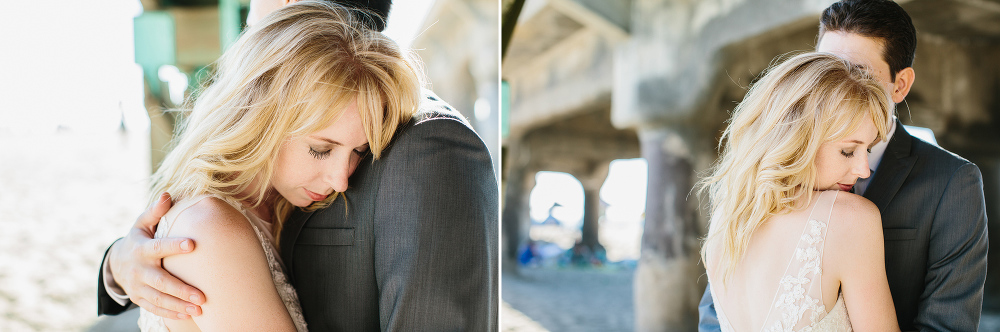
<point>770,146</point>
<point>289,75</point>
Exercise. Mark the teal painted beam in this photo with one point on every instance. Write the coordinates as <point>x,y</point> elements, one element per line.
<point>155,46</point>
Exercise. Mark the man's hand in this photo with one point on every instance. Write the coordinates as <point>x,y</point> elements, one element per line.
<point>136,264</point>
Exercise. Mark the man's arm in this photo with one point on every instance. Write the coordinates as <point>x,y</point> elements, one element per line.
<point>436,231</point>
<point>133,264</point>
<point>108,304</point>
<point>956,267</point>
<point>708,321</point>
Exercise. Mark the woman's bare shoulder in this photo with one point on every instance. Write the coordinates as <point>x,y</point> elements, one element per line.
<point>855,208</point>
<point>230,266</point>
<point>210,217</point>
<point>216,227</point>
<point>855,224</point>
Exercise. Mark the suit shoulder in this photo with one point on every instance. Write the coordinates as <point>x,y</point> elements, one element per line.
<point>942,164</point>
<point>430,129</point>
<point>938,154</point>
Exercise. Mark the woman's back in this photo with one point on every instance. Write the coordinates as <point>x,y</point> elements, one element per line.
<point>781,283</point>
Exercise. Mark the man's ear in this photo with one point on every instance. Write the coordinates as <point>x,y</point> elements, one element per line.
<point>901,87</point>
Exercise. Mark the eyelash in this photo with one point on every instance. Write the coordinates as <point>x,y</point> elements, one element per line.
<point>851,154</point>
<point>319,155</point>
<point>324,154</point>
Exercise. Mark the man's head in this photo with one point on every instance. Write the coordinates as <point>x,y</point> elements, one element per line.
<point>877,34</point>
<point>378,8</point>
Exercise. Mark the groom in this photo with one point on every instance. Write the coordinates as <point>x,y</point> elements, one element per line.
<point>931,200</point>
<point>413,249</point>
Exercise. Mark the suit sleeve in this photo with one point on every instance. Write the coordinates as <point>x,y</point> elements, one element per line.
<point>956,269</point>
<point>708,321</point>
<point>106,305</point>
<point>436,232</point>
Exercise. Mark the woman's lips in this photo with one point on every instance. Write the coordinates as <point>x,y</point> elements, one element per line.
<point>315,196</point>
<point>845,187</point>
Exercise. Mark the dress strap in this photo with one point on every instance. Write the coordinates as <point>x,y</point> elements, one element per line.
<point>823,209</point>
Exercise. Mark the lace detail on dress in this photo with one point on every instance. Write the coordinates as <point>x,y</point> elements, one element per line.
<point>798,305</point>
<point>149,322</point>
<point>794,303</point>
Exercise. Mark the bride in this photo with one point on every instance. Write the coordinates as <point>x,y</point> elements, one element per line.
<point>294,106</point>
<point>789,248</point>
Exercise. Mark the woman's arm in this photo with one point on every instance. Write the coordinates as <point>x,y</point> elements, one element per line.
<point>856,246</point>
<point>230,267</point>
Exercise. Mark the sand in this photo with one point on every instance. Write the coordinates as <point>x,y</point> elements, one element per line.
<point>64,198</point>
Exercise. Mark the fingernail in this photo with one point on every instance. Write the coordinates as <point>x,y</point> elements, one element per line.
<point>192,310</point>
<point>186,245</point>
<point>195,298</point>
<point>183,316</point>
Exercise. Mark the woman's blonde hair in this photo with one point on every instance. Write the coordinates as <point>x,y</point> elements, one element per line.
<point>289,75</point>
<point>770,146</point>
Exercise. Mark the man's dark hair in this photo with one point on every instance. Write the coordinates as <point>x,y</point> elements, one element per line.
<point>881,19</point>
<point>378,8</point>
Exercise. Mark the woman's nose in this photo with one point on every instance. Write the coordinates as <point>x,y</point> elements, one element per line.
<point>338,174</point>
<point>861,168</point>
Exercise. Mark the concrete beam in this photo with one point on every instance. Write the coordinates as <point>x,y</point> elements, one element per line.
<point>565,80</point>
<point>662,72</point>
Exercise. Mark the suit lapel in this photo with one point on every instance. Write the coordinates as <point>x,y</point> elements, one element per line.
<point>893,169</point>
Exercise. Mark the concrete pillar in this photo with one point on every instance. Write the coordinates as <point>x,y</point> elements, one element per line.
<point>591,218</point>
<point>592,182</point>
<point>666,288</point>
<point>514,218</point>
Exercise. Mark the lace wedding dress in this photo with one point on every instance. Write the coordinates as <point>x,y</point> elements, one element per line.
<point>797,304</point>
<point>148,322</point>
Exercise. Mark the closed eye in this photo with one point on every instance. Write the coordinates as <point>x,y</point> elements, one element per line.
<point>847,154</point>
<point>319,154</point>
<point>363,150</point>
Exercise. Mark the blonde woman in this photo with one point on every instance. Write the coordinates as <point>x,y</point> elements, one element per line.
<point>789,247</point>
<point>294,106</point>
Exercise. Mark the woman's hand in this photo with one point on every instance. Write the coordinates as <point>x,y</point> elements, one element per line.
<point>136,264</point>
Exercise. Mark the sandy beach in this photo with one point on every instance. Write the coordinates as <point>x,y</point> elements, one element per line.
<point>64,197</point>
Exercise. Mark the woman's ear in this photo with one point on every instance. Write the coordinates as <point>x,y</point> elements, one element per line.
<point>901,87</point>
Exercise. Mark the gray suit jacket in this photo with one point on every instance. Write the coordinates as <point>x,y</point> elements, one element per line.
<point>414,248</point>
<point>934,224</point>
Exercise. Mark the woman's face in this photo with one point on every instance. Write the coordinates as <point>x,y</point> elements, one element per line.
<point>840,163</point>
<point>311,167</point>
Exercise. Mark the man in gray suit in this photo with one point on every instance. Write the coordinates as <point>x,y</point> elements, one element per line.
<point>931,200</point>
<point>414,247</point>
